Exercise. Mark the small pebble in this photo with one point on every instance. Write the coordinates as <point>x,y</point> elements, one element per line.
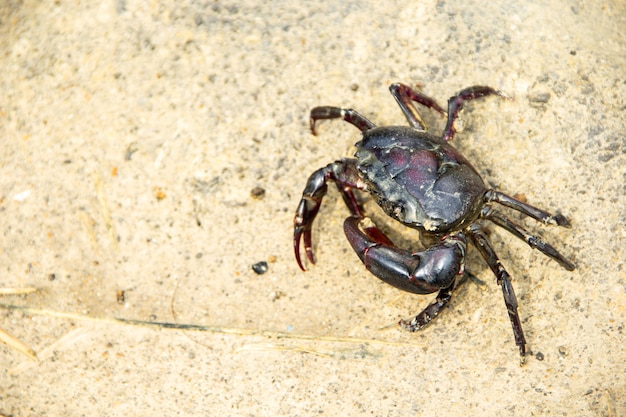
<point>257,193</point>
<point>260,267</point>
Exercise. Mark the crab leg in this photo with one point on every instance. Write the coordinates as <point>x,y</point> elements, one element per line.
<point>430,312</point>
<point>455,104</point>
<point>349,115</point>
<point>503,279</point>
<point>533,241</point>
<point>527,209</point>
<point>405,96</point>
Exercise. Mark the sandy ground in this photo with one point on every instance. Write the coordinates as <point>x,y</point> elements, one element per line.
<point>134,133</point>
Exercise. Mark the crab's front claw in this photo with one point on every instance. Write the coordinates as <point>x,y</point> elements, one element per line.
<point>421,273</point>
<point>305,213</point>
<point>308,207</point>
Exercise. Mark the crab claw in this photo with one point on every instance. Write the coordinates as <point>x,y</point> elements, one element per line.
<point>345,175</point>
<point>310,203</point>
<point>302,229</point>
<point>421,272</point>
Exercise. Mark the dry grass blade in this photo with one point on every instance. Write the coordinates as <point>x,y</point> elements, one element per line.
<point>17,344</point>
<point>202,328</point>
<point>17,291</point>
<point>6,337</point>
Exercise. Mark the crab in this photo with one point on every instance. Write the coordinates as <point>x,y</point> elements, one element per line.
<point>423,182</point>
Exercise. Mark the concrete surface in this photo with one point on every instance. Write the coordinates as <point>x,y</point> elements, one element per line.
<point>133,134</point>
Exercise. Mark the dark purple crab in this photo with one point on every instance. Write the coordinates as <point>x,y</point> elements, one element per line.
<point>423,182</point>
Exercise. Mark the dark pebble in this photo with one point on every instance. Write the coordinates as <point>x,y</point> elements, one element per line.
<point>260,267</point>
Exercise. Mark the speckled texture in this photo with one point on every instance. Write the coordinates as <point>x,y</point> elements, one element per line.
<point>133,135</point>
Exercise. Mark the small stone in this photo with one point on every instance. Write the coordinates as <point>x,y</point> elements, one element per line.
<point>260,267</point>
<point>257,193</point>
